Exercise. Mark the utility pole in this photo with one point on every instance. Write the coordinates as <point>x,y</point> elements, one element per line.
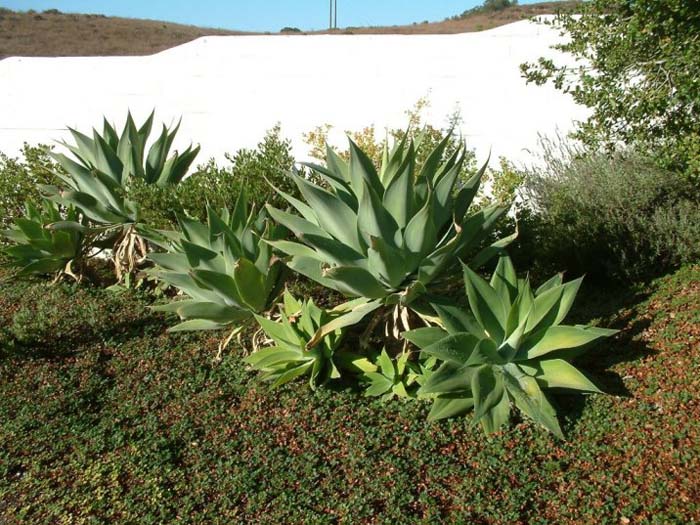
<point>330,16</point>
<point>335,14</point>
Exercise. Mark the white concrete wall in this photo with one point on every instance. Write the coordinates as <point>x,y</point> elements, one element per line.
<point>229,90</point>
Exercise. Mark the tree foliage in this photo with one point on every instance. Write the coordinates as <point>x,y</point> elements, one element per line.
<point>637,69</point>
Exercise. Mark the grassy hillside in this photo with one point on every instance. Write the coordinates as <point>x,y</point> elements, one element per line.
<point>52,33</point>
<point>107,418</point>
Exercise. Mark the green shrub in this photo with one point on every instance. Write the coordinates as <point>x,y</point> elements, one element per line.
<point>249,169</point>
<point>20,180</point>
<point>616,216</point>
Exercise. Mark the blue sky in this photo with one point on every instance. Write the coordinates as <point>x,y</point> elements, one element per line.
<point>261,15</point>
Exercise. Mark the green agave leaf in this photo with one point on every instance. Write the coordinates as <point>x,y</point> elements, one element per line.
<point>306,212</point>
<point>449,378</point>
<point>553,282</point>
<point>531,400</point>
<point>568,296</point>
<point>362,171</point>
<point>386,365</point>
<point>504,280</point>
<point>273,356</point>
<point>445,407</point>
<point>545,309</point>
<point>465,196</point>
<point>356,282</point>
<point>398,197</point>
<point>456,348</point>
<point>44,265</point>
<point>498,416</point>
<point>456,319</point>
<point>221,284</point>
<point>387,262</point>
<point>562,337</point>
<point>373,220</point>
<point>488,307</point>
<point>195,325</point>
<point>426,336</point>
<point>203,258</point>
<point>212,311</point>
<point>282,333</point>
<point>295,224</point>
<point>251,284</point>
<point>334,216</point>
<point>557,373</point>
<point>337,165</point>
<point>378,384</point>
<point>333,252</point>
<point>420,234</point>
<point>487,389</point>
<point>292,374</point>
<point>353,317</point>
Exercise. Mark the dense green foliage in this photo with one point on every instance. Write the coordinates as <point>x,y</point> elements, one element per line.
<point>20,179</point>
<point>219,185</point>
<point>638,73</point>
<point>105,417</point>
<point>257,171</point>
<point>612,217</point>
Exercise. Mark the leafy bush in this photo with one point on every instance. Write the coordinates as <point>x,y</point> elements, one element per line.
<point>640,77</point>
<point>618,217</point>
<point>249,169</point>
<point>20,180</point>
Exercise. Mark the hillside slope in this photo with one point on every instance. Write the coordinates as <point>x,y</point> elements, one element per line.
<point>52,33</point>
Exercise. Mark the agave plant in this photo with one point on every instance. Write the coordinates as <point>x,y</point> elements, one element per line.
<point>290,357</point>
<point>507,351</point>
<point>225,267</point>
<point>385,235</point>
<point>399,377</point>
<point>45,241</point>
<point>97,179</point>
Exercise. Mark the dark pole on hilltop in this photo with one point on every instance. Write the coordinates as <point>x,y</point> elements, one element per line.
<point>335,15</point>
<point>330,16</point>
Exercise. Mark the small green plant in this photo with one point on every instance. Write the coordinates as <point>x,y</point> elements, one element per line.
<point>509,348</point>
<point>45,242</point>
<point>225,267</point>
<point>398,377</point>
<point>290,356</point>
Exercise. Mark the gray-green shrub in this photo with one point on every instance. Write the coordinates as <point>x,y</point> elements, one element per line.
<point>611,216</point>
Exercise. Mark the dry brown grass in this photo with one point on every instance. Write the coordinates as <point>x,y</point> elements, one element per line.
<point>59,34</point>
<point>468,24</point>
<point>56,34</point>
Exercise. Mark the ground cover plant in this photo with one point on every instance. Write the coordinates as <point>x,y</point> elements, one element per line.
<point>127,422</point>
